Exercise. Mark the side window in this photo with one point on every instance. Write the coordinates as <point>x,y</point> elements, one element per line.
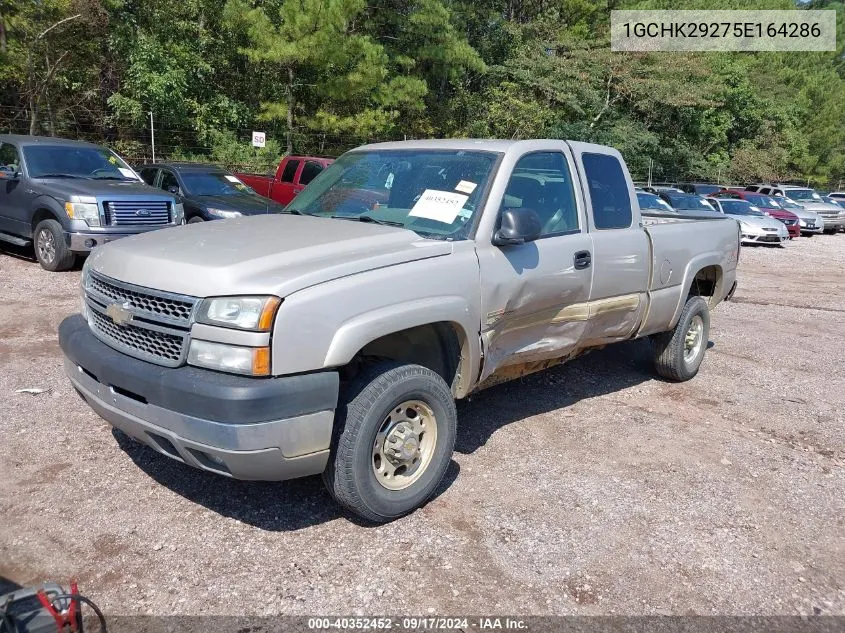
<point>541,182</point>
<point>290,171</point>
<point>309,172</point>
<point>168,180</point>
<point>148,174</point>
<point>608,191</point>
<point>765,190</point>
<point>9,161</point>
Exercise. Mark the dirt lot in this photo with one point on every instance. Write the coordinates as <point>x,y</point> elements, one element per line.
<point>592,488</point>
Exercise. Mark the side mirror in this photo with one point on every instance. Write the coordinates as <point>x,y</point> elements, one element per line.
<point>174,190</point>
<point>518,226</point>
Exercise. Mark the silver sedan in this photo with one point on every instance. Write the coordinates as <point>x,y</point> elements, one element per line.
<point>755,226</point>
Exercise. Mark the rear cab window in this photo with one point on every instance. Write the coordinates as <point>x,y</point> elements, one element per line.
<point>148,175</point>
<point>290,171</point>
<point>309,172</point>
<point>611,201</point>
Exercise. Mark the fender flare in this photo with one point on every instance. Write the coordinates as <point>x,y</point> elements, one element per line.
<point>50,204</point>
<point>367,327</point>
<point>695,265</point>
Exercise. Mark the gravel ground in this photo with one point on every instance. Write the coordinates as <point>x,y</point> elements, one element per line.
<point>592,488</point>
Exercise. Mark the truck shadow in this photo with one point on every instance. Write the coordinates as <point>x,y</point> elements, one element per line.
<point>604,371</point>
<point>300,503</point>
<point>273,506</point>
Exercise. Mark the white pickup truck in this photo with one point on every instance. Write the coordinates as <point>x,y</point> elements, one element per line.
<point>334,338</point>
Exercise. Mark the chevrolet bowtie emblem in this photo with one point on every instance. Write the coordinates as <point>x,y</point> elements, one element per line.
<point>119,313</point>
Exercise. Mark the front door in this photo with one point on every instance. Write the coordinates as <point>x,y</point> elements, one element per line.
<point>534,296</point>
<point>15,196</point>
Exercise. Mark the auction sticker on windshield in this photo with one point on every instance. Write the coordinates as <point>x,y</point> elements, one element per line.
<point>440,206</point>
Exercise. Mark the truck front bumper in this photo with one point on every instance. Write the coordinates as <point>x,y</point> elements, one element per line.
<point>86,241</point>
<point>246,428</point>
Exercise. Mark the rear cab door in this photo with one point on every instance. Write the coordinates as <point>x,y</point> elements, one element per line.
<point>285,188</point>
<point>621,248</point>
<point>534,295</point>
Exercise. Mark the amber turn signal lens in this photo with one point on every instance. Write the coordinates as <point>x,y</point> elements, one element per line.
<point>265,322</point>
<point>261,361</point>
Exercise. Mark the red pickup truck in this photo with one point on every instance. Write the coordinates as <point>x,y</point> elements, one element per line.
<point>292,174</point>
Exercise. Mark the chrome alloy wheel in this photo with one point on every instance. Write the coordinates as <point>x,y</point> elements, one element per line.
<point>46,246</point>
<point>694,339</point>
<point>404,445</point>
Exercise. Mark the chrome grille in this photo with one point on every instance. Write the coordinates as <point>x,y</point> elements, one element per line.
<point>158,326</point>
<point>148,344</point>
<point>172,308</point>
<point>137,213</point>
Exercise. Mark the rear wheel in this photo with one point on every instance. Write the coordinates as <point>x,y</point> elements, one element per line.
<point>50,248</point>
<point>679,352</point>
<point>195,220</point>
<point>395,432</point>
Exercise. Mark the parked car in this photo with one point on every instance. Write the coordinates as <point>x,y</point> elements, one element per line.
<point>689,204</point>
<point>653,203</point>
<point>839,196</point>
<point>811,222</point>
<point>483,262</point>
<point>755,226</point>
<point>67,197</point>
<point>834,218</point>
<point>831,200</point>
<point>292,175</point>
<point>768,205</point>
<point>699,188</point>
<point>207,192</point>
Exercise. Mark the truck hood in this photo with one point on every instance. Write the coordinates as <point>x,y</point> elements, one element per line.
<point>66,187</point>
<point>820,207</point>
<point>262,254</point>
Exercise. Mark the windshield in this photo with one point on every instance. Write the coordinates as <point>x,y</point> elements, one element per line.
<point>759,200</point>
<point>68,161</point>
<point>706,190</point>
<point>786,203</point>
<point>690,203</point>
<point>739,207</point>
<point>650,201</point>
<point>215,183</point>
<point>435,193</point>
<point>802,194</point>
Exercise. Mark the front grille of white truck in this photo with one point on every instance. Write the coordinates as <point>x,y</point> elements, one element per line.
<point>147,324</point>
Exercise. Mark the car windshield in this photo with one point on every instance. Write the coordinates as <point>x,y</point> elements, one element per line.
<point>762,201</point>
<point>650,201</point>
<point>802,194</point>
<point>786,203</point>
<point>739,207</point>
<point>706,190</point>
<point>689,203</point>
<point>69,161</point>
<point>212,183</point>
<point>435,193</point>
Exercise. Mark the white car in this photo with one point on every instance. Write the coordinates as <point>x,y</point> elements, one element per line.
<point>755,226</point>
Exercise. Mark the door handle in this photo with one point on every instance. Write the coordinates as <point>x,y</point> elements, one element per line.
<point>583,259</point>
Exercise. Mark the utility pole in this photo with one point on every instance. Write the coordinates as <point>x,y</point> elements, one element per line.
<point>719,176</point>
<point>152,135</point>
<point>650,164</point>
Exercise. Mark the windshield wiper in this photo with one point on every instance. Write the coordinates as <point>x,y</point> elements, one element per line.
<point>295,212</point>
<point>367,218</point>
<point>113,178</point>
<point>61,176</point>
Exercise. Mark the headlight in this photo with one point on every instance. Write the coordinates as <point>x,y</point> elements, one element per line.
<point>221,213</point>
<point>179,213</point>
<point>250,361</point>
<point>87,211</point>
<point>243,313</point>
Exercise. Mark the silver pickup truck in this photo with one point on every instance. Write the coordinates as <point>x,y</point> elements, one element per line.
<point>334,338</point>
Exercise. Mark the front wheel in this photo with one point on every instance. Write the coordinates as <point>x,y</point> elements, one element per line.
<point>51,251</point>
<point>394,436</point>
<point>195,220</point>
<point>679,352</point>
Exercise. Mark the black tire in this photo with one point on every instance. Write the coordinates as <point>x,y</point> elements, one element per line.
<point>364,410</point>
<point>195,220</point>
<point>670,347</point>
<point>51,251</point>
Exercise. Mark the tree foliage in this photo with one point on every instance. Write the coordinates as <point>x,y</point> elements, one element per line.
<point>325,75</point>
